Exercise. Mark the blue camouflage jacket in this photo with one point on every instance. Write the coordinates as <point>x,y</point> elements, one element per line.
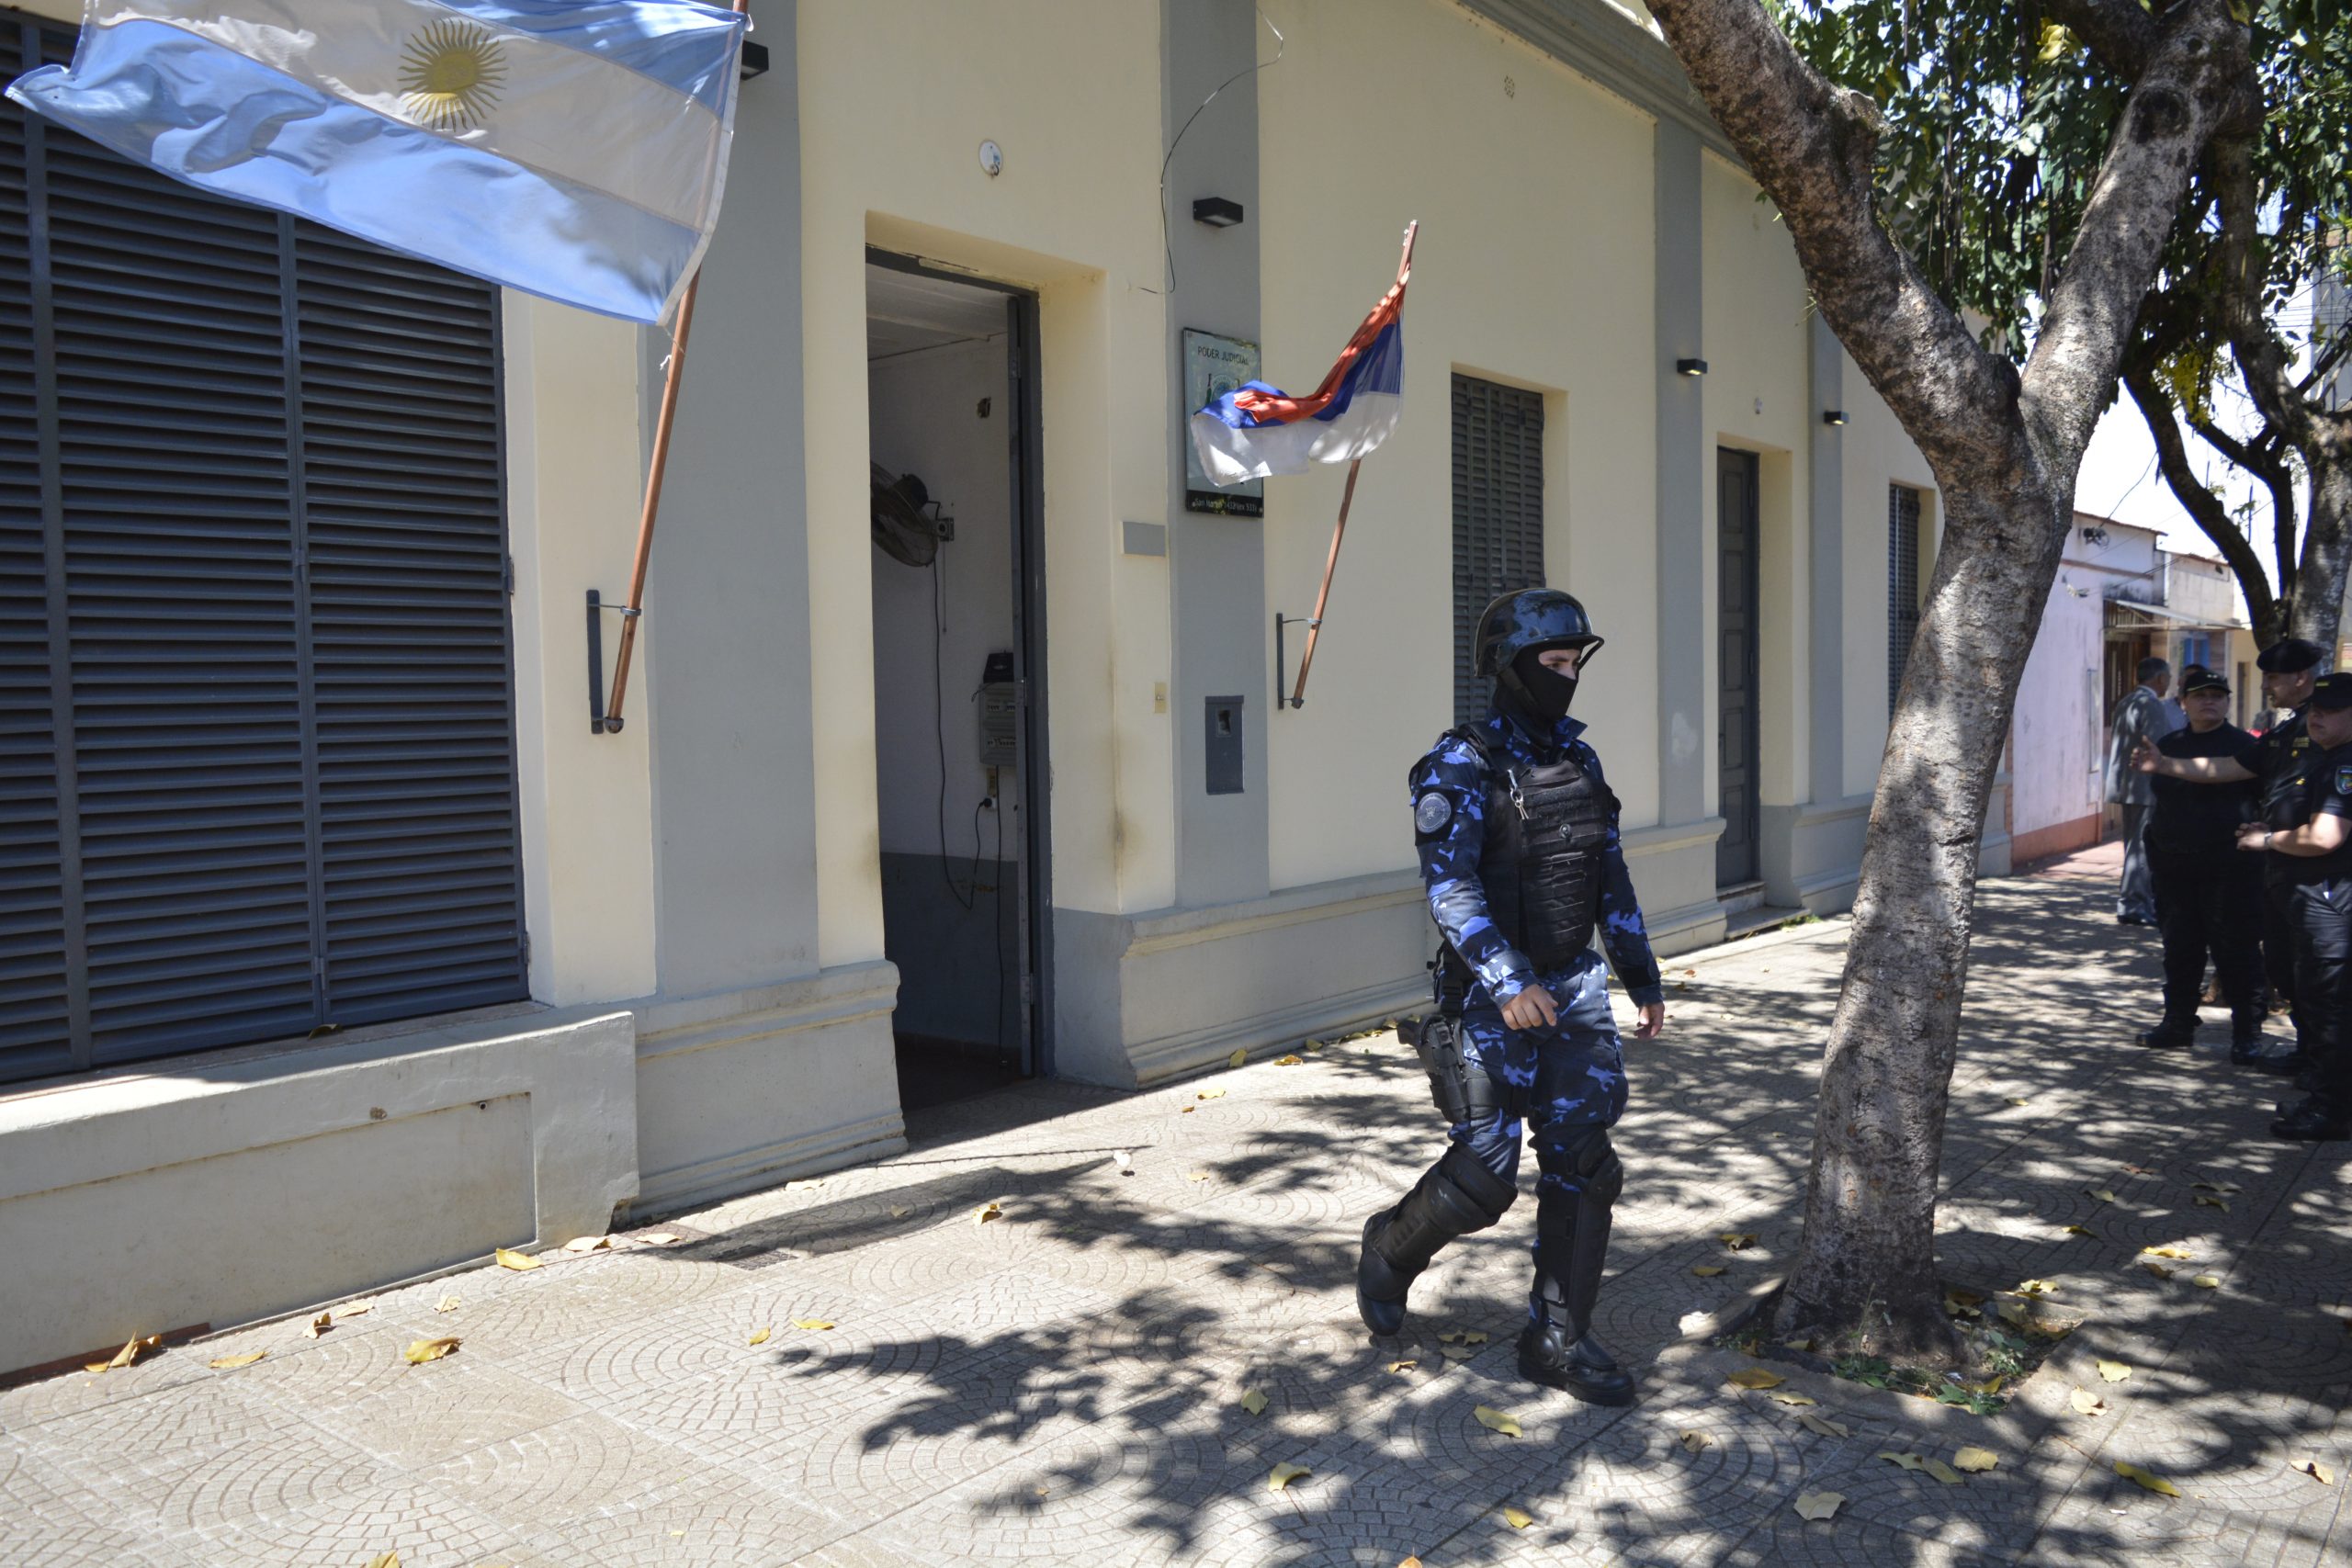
<point>1450,866</point>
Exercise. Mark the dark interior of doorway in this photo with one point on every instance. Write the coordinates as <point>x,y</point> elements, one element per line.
<point>943,410</point>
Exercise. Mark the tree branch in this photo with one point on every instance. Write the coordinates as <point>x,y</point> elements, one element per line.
<point>2120,33</point>
<point>2202,505</point>
<point>1810,144</point>
<point>2196,82</point>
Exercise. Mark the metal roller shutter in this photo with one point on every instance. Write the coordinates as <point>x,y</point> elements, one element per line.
<point>1497,514</point>
<point>265,542</point>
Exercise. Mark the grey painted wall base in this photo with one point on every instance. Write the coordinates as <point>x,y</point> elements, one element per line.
<point>1813,854</point>
<point>250,1182</point>
<point>956,975</point>
<point>1143,998</point>
<point>744,1089</point>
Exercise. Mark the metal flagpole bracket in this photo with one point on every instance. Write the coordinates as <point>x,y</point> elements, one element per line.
<point>1282,699</point>
<point>599,721</point>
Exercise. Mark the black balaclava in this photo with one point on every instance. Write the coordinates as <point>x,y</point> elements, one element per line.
<point>1542,692</point>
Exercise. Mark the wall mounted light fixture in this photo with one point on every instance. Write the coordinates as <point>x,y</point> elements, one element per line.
<point>755,59</point>
<point>1217,211</point>
<point>1690,367</point>
<point>1833,416</point>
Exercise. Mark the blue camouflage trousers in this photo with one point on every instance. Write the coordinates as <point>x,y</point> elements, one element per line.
<point>1561,1081</point>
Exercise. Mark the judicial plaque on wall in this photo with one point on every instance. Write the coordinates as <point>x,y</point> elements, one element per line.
<point>1214,365</point>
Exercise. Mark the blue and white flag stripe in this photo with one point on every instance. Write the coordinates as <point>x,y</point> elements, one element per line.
<point>571,151</point>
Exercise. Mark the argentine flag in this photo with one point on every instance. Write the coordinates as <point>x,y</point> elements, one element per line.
<point>573,149</point>
<point>1257,430</point>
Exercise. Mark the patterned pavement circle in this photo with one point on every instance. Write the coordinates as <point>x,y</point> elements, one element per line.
<point>1066,1385</point>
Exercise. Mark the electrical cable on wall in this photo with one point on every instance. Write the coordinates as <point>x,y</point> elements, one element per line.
<point>1168,250</point>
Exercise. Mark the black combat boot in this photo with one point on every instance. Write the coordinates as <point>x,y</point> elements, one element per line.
<point>2171,1032</point>
<point>1455,1196</point>
<point>2317,1119</point>
<point>1558,1347</point>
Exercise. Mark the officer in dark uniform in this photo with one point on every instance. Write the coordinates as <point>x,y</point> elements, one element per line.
<point>2209,896</point>
<point>2307,837</point>
<point>2288,666</point>
<point>1516,834</point>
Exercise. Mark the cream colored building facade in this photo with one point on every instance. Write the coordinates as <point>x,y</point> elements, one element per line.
<point>709,891</point>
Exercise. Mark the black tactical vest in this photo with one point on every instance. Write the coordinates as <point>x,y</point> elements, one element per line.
<point>1541,868</point>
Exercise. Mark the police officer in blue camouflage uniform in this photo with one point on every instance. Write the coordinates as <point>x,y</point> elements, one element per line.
<point>1516,834</point>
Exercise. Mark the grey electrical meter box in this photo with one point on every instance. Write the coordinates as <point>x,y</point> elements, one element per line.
<point>1224,745</point>
<point>998,708</point>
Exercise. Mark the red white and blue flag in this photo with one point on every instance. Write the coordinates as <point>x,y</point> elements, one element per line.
<point>1256,430</point>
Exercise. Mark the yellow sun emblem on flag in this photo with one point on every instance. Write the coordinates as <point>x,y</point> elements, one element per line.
<point>450,73</point>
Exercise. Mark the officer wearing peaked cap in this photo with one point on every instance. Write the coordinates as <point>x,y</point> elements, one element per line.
<point>2277,761</point>
<point>2306,836</point>
<point>1517,835</point>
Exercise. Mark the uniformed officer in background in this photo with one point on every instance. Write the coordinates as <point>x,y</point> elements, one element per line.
<point>2289,667</point>
<point>2307,835</point>
<point>2209,896</point>
<point>1516,834</point>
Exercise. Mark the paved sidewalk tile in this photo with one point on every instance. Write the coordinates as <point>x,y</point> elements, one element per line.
<point>856,1371</point>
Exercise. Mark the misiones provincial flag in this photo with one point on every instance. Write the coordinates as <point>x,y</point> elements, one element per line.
<point>1257,430</point>
<point>573,149</point>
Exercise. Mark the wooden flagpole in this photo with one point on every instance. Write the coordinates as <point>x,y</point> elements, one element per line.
<point>634,611</point>
<point>1340,529</point>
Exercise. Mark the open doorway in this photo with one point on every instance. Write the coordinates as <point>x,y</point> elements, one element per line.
<point>957,654</point>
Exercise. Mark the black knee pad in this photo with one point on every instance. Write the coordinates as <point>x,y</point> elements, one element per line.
<point>1586,1153</point>
<point>1488,1195</point>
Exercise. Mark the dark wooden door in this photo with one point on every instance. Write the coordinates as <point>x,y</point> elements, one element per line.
<point>1735,701</point>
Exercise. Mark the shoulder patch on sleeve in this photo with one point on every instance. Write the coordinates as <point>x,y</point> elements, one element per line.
<point>1434,810</point>
<point>2343,778</point>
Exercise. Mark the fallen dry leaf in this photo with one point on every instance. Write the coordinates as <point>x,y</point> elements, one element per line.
<point>385,1560</point>
<point>759,1336</point>
<point>901,1210</point>
<point>1457,1352</point>
<point>1694,1441</point>
<point>2019,1099</point>
<point>2316,1471</point>
<point>318,1326</point>
<point>1908,1461</point>
<point>1254,1403</point>
<point>1707,1270</point>
<point>446,1304</point>
<point>1737,1240</point>
<point>2113,1372</point>
<point>1976,1460</point>
<point>1824,1425</point>
<point>1518,1518</point>
<point>1819,1505</point>
<point>1284,1474</point>
<point>518,1261</point>
<point>360,1311</point>
<point>1188,1110</point>
<point>588,1243</point>
<point>2217,1187</point>
<point>2015,1312</point>
<point>1410,1563</point>
<point>229,1363</point>
<point>2101,1194</point>
<point>2211,1282</point>
<point>2036,1287</point>
<point>2212,1202</point>
<point>1288,1061</point>
<point>1196,1176</point>
<point>1241,1055</point>
<point>813,1325</point>
<point>1496,1420</point>
<point>2080,1230</point>
<point>1789,1397</point>
<point>657,1238</point>
<point>986,1212</point>
<point>2179,1254</point>
<point>1475,1336</point>
<point>1210,1094</point>
<point>1402,1366</point>
<point>1943,1472</point>
<point>422,1350</point>
<point>1125,1161</point>
<point>2158,1270</point>
<point>2146,1478</point>
<point>1756,1376</point>
<point>134,1347</point>
<point>2085,1402</point>
<point>1955,1295</point>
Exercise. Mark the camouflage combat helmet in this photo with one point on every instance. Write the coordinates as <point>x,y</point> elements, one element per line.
<point>1530,617</point>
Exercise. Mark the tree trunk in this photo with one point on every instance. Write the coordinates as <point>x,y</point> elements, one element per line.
<point>2327,535</point>
<point>1867,1267</point>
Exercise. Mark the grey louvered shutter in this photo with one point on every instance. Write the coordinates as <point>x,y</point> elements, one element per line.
<point>271,576</point>
<point>1497,514</point>
<point>1902,585</point>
